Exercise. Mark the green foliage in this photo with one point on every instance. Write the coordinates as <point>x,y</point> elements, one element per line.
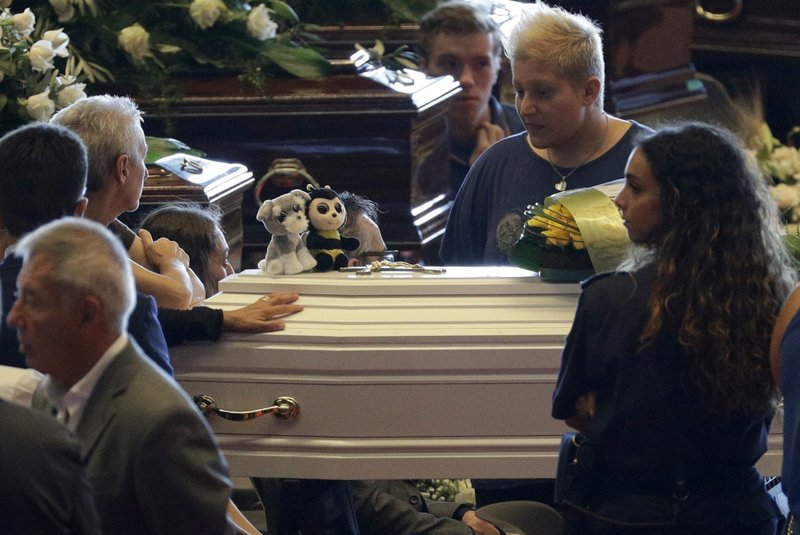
<point>401,58</point>
<point>146,42</point>
<point>386,12</point>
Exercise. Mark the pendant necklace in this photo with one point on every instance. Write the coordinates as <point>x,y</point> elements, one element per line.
<point>562,184</point>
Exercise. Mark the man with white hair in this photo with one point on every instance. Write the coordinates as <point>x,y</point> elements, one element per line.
<point>151,457</point>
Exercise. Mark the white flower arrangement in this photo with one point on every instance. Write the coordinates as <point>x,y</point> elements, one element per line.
<point>780,166</point>
<point>145,43</point>
<point>447,490</point>
<point>260,25</point>
<point>38,75</point>
<point>206,12</point>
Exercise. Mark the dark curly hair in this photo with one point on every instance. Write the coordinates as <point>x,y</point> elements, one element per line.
<point>723,271</point>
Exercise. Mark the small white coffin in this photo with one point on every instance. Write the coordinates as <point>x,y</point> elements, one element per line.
<point>396,375</point>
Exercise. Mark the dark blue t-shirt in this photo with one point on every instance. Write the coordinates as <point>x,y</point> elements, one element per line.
<point>507,178</point>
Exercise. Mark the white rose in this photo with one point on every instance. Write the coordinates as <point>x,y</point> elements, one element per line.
<point>785,196</point>
<point>64,9</point>
<point>206,12</point>
<point>24,22</point>
<point>41,55</point>
<point>787,161</point>
<point>260,25</point>
<point>70,94</point>
<point>60,42</point>
<point>135,40</point>
<point>40,107</point>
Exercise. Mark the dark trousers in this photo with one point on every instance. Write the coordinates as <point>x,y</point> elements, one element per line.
<point>753,514</point>
<point>307,506</point>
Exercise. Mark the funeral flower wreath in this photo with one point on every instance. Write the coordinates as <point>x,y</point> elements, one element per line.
<point>144,43</point>
<point>38,74</point>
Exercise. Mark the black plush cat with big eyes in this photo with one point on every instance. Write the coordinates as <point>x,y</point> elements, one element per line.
<point>326,215</point>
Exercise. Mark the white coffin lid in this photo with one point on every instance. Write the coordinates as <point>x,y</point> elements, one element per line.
<point>463,305</point>
<point>458,280</point>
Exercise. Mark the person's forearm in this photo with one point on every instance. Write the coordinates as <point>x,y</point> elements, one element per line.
<point>137,254</point>
<point>171,288</point>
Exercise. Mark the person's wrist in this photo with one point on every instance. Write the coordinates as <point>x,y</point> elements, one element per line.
<point>462,510</point>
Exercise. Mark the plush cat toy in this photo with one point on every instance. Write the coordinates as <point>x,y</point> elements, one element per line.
<point>326,215</point>
<point>285,218</point>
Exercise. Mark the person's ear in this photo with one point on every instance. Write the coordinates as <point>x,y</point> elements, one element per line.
<point>591,90</point>
<point>80,207</point>
<point>91,309</point>
<point>121,168</point>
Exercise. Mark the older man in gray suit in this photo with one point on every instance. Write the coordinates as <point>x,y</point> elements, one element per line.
<point>151,457</point>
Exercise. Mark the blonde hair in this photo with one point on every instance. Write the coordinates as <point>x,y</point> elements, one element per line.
<point>571,43</point>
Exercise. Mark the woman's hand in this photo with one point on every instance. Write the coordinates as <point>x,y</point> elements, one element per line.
<point>260,316</point>
<point>584,411</point>
<point>586,405</point>
<point>478,525</point>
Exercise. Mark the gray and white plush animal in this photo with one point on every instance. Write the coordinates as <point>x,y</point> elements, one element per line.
<point>285,218</point>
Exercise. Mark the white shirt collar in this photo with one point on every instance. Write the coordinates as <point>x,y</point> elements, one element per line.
<point>74,400</point>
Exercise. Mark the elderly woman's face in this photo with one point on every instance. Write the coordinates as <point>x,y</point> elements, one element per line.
<point>370,238</point>
<point>640,199</point>
<point>219,266</point>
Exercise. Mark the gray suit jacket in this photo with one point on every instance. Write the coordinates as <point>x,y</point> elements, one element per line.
<point>389,507</point>
<point>42,479</point>
<point>151,457</point>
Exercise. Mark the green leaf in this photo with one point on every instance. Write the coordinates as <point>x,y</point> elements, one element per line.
<point>792,242</point>
<point>160,147</point>
<point>409,10</point>
<point>301,62</point>
<point>285,11</point>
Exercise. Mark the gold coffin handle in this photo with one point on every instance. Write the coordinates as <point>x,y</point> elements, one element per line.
<point>712,16</point>
<point>284,407</point>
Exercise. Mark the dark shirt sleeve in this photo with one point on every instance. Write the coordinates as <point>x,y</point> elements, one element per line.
<point>123,232</point>
<point>9,346</point>
<point>395,507</point>
<point>144,327</point>
<point>464,238</point>
<point>198,323</point>
<point>572,376</point>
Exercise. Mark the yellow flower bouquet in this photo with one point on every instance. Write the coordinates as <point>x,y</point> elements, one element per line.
<point>571,236</point>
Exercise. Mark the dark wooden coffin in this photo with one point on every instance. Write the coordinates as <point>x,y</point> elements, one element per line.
<point>647,46</point>
<point>374,134</point>
<point>187,178</point>
<point>753,43</point>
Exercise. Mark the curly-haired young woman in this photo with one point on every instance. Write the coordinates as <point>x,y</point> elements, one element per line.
<point>666,370</point>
